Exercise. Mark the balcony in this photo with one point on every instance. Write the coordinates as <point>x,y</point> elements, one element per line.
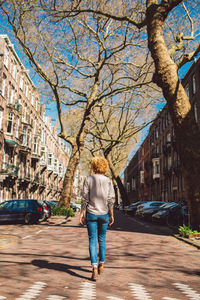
<point>11,142</point>
<point>35,156</point>
<point>16,106</point>
<point>24,149</point>
<point>156,175</point>
<point>25,177</point>
<point>9,169</point>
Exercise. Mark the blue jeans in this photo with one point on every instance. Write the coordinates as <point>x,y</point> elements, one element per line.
<point>97,226</point>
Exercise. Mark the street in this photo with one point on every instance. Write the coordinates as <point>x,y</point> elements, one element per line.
<point>50,261</point>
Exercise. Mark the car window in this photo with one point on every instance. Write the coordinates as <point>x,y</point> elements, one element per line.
<point>156,204</point>
<point>7,205</point>
<point>21,204</point>
<point>15,204</point>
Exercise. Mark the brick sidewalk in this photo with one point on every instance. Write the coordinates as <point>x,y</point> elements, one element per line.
<point>143,263</point>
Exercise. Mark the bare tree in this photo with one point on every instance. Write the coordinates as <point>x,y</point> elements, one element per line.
<point>173,40</point>
<point>115,131</point>
<point>82,60</point>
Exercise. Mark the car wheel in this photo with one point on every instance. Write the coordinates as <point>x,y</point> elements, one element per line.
<point>27,219</point>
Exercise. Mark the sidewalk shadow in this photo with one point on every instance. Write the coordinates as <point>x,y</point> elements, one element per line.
<point>132,224</point>
<point>45,264</point>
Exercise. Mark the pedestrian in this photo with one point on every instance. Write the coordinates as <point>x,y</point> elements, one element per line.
<point>97,211</point>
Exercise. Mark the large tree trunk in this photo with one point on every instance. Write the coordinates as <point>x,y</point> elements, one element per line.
<point>69,178</point>
<point>186,130</point>
<point>120,185</point>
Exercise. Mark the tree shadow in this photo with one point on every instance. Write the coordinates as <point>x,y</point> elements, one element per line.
<point>132,224</point>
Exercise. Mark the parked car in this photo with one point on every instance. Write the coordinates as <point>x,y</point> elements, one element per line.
<point>131,209</point>
<point>148,205</point>
<point>164,211</point>
<point>147,212</point>
<point>23,210</point>
<point>75,206</point>
<point>54,202</point>
<point>174,216</point>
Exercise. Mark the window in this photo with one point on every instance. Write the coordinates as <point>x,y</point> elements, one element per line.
<point>141,176</point>
<point>25,136</point>
<point>168,137</point>
<point>3,86</point>
<point>157,133</point>
<point>35,145</point>
<point>36,105</point>
<point>195,112</point>
<point>14,69</point>
<point>169,162</point>
<point>21,82</point>
<point>128,186</point>
<point>1,119</point>
<point>11,95</point>
<point>10,123</point>
<point>26,90</point>
<point>60,169</point>
<point>30,139</point>
<point>193,84</point>
<point>17,129</point>
<point>6,53</point>
<point>43,153</point>
<point>32,100</point>
<point>20,99</point>
<point>50,159</point>
<point>133,183</point>
<point>55,164</point>
<point>25,114</point>
<point>156,168</point>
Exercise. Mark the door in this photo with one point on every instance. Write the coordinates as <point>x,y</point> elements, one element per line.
<point>6,211</point>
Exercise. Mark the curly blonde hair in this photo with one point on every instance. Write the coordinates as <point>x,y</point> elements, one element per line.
<point>99,165</point>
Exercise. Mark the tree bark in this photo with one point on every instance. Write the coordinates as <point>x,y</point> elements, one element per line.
<point>120,185</point>
<point>69,178</point>
<point>186,130</point>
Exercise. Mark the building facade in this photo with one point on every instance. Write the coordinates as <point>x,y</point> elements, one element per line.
<point>33,159</point>
<point>154,173</point>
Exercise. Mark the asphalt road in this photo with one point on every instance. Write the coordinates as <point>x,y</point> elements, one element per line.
<point>50,261</point>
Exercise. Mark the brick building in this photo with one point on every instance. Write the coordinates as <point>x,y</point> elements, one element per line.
<point>154,173</point>
<point>33,159</point>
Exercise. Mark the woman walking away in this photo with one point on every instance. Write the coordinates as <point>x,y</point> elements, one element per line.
<point>97,211</point>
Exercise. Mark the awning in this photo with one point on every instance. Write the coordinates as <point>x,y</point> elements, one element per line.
<point>11,142</point>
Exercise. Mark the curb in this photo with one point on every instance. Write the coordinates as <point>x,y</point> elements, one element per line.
<point>192,243</point>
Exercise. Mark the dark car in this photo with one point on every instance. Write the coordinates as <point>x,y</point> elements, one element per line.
<point>131,209</point>
<point>75,206</point>
<point>149,211</point>
<point>148,207</point>
<point>172,214</point>
<point>54,203</point>
<point>23,210</point>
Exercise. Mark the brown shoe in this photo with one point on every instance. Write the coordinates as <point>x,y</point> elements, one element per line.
<point>94,274</point>
<point>100,269</point>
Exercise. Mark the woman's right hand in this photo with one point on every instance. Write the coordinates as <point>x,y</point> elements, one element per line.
<point>111,220</point>
<point>82,218</point>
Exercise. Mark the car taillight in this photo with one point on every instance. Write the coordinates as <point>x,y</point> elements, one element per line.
<point>39,208</point>
<point>46,207</point>
<point>140,206</point>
